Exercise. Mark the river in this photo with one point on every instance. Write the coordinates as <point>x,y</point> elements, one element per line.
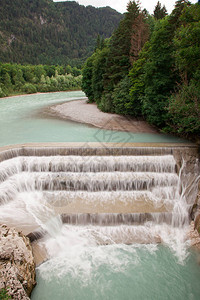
<point>23,121</point>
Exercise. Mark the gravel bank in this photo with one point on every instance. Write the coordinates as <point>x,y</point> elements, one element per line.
<point>83,112</point>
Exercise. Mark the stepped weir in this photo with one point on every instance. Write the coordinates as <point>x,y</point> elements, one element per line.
<point>122,194</point>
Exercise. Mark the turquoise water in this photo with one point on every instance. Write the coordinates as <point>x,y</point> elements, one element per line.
<point>120,273</point>
<point>22,121</point>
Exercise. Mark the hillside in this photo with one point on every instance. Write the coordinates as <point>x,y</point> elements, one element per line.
<point>46,32</point>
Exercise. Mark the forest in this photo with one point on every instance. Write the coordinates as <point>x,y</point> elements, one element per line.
<point>150,68</point>
<point>28,79</point>
<point>52,33</point>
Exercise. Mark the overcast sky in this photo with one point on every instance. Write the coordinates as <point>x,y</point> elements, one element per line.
<point>120,5</point>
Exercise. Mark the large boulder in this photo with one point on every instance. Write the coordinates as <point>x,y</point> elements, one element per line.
<point>17,267</point>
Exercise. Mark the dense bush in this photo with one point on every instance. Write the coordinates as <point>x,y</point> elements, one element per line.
<point>3,92</point>
<point>121,97</point>
<point>29,88</point>
<point>184,110</point>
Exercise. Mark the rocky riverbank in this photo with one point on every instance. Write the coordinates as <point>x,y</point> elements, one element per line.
<point>17,267</point>
<point>88,113</point>
<point>195,225</point>
<point>194,236</point>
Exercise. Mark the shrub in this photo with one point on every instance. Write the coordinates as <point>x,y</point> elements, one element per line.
<point>4,295</point>
<point>106,103</point>
<point>184,110</point>
<point>29,88</point>
<point>3,92</point>
<point>121,97</point>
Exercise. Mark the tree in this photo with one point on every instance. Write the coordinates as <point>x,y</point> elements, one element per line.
<point>184,105</point>
<point>87,78</point>
<point>121,97</point>
<point>177,11</point>
<point>28,73</point>
<point>137,80</point>
<point>120,55</point>
<point>159,11</point>
<point>125,45</point>
<point>18,77</point>
<point>187,43</point>
<point>184,111</point>
<point>160,77</point>
<point>38,72</point>
<point>7,80</point>
<point>99,43</point>
<point>139,36</point>
<point>98,70</point>
<point>68,69</point>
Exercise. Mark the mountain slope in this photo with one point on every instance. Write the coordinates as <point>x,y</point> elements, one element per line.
<point>42,31</point>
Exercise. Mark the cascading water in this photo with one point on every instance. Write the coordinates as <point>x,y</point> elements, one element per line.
<point>93,215</point>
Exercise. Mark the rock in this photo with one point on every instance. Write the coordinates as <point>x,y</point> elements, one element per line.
<point>197,211</point>
<point>197,223</point>
<point>17,267</point>
<point>194,236</point>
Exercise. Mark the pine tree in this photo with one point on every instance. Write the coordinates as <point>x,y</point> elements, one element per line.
<point>125,45</point>
<point>177,11</point>
<point>159,11</point>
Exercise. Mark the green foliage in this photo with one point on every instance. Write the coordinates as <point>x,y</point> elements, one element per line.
<point>3,92</point>
<point>184,110</point>
<point>93,74</point>
<point>180,5</point>
<point>100,44</point>
<point>121,97</point>
<point>87,78</point>
<point>6,80</point>
<point>4,295</point>
<point>187,42</point>
<point>160,82</point>
<point>59,83</point>
<point>98,70</point>
<point>106,104</point>
<point>47,32</point>
<point>184,106</point>
<point>159,11</point>
<point>29,88</point>
<point>31,79</point>
<point>160,77</point>
<point>112,60</point>
<point>120,54</point>
<point>137,89</point>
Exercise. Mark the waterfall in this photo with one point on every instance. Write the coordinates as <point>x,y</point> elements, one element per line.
<point>118,195</point>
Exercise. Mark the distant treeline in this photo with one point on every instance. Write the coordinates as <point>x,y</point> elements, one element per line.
<point>29,79</point>
<point>150,68</point>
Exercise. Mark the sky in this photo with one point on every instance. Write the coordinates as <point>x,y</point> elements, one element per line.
<point>120,5</point>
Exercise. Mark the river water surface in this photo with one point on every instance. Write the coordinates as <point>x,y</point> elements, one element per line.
<point>22,121</point>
